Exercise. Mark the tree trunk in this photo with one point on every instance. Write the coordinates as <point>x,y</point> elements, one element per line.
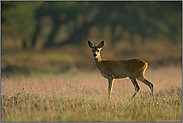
<point>79,35</point>
<point>36,33</point>
<point>50,39</point>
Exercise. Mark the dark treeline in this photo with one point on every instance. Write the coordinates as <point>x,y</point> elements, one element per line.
<point>60,23</point>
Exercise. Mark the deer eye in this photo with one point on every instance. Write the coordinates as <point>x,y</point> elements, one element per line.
<point>95,50</point>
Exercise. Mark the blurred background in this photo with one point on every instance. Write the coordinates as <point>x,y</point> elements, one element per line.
<point>51,37</point>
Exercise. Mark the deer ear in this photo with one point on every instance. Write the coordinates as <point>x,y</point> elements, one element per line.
<point>90,44</point>
<point>101,44</point>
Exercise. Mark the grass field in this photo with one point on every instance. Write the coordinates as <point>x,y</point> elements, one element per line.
<point>83,97</point>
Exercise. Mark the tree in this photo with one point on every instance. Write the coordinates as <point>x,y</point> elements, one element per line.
<point>17,19</point>
<point>61,13</point>
<point>31,20</point>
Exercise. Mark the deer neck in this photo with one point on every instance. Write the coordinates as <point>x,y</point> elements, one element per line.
<point>97,60</point>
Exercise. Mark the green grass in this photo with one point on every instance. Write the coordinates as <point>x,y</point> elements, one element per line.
<point>83,97</point>
<point>79,57</point>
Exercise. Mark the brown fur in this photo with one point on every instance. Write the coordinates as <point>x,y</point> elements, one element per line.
<point>116,69</point>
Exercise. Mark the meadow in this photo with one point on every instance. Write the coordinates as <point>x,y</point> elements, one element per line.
<point>82,96</point>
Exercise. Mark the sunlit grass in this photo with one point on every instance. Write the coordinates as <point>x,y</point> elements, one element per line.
<point>83,97</point>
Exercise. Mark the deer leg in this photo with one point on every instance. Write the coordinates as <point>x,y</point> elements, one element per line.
<point>142,78</point>
<point>145,81</point>
<point>136,87</point>
<point>110,80</point>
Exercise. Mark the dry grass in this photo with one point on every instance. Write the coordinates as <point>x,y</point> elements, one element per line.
<point>84,97</point>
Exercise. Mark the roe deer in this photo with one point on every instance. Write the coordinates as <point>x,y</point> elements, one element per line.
<point>115,69</point>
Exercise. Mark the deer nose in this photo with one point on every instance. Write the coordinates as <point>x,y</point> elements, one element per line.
<point>94,55</point>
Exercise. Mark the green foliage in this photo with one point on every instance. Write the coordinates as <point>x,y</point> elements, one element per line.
<point>17,19</point>
<point>24,20</point>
